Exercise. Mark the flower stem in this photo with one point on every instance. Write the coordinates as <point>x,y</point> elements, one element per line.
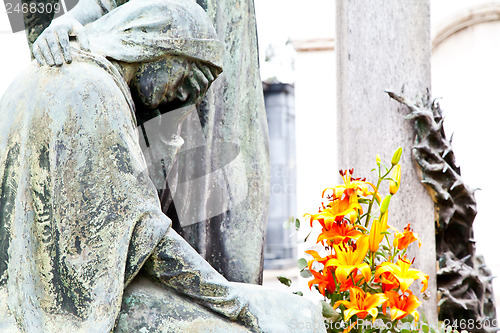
<point>368,214</point>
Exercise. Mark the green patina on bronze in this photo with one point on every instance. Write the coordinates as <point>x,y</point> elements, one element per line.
<point>87,247</point>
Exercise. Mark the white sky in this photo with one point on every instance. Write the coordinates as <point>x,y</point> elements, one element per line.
<point>279,21</point>
<point>14,56</point>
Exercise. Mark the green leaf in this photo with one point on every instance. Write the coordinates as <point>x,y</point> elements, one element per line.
<point>327,310</point>
<point>288,223</point>
<point>335,297</point>
<point>286,281</point>
<point>305,273</point>
<point>300,293</point>
<point>407,319</point>
<point>372,330</point>
<point>302,264</point>
<point>297,224</point>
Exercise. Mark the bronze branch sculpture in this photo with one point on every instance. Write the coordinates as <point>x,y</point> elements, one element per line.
<point>465,292</point>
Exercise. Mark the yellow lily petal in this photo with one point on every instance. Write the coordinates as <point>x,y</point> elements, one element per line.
<point>362,304</point>
<point>348,313</point>
<point>373,312</point>
<point>402,305</point>
<point>403,273</point>
<point>349,258</point>
<point>365,270</point>
<point>397,313</point>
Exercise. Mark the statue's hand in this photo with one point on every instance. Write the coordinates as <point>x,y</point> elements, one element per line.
<point>197,83</point>
<point>52,46</point>
<point>249,320</point>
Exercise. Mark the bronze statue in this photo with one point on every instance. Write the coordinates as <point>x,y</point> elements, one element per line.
<point>80,219</point>
<point>230,219</point>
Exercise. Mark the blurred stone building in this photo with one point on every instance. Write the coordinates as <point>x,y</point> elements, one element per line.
<point>465,71</point>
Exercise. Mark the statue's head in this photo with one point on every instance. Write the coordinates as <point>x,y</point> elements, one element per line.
<point>172,46</point>
<point>173,80</point>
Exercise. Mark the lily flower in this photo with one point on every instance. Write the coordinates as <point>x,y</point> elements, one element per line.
<point>356,280</point>
<point>339,232</point>
<point>402,272</point>
<point>376,232</point>
<point>352,187</point>
<point>405,238</point>
<point>323,279</point>
<point>349,258</point>
<point>318,258</point>
<point>402,305</point>
<point>388,281</point>
<point>361,304</point>
<point>335,211</point>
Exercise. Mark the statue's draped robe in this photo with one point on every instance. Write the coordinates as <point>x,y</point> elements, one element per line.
<point>74,194</point>
<point>79,214</point>
<point>232,115</point>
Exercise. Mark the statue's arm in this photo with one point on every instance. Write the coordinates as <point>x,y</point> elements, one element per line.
<point>87,11</point>
<point>52,46</point>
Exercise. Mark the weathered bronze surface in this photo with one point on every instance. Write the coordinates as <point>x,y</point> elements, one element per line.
<point>463,280</point>
<point>85,244</point>
<point>230,235</point>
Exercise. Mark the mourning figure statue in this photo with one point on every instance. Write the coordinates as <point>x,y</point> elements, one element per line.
<point>82,233</point>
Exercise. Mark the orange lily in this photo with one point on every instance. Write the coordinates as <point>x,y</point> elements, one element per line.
<point>349,283</point>
<point>405,238</point>
<point>402,272</point>
<point>339,232</point>
<point>349,258</point>
<point>402,305</point>
<point>352,187</point>
<point>318,258</point>
<point>323,279</point>
<point>361,304</point>
<point>376,232</point>
<point>335,211</point>
<point>388,281</point>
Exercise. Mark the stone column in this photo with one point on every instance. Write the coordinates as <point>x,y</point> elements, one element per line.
<point>385,45</point>
<point>281,244</point>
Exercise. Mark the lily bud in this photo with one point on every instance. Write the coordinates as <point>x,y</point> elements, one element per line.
<point>396,179</point>
<point>376,232</point>
<point>385,204</point>
<point>378,160</point>
<point>397,156</point>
